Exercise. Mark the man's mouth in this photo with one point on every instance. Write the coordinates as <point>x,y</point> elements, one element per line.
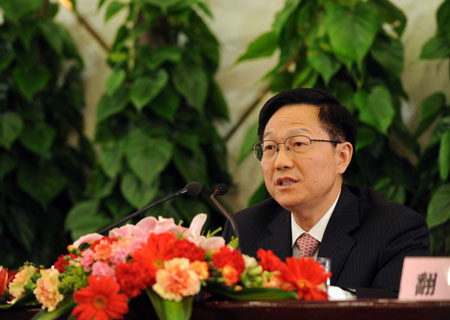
<point>285,182</point>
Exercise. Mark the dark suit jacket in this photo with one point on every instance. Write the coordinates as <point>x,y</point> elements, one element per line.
<point>366,239</point>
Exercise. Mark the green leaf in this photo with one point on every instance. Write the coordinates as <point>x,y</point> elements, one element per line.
<point>63,307</point>
<point>443,18</point>
<point>166,104</point>
<point>114,80</point>
<point>110,105</point>
<point>113,8</point>
<point>391,14</point>
<point>192,165</point>
<point>190,141</point>
<point>7,55</point>
<point>16,9</point>
<point>303,76</point>
<point>31,80</point>
<point>282,16</point>
<point>389,53</point>
<point>216,102</point>
<point>137,193</point>
<point>161,55</point>
<point>437,47</point>
<point>51,32</point>
<point>111,160</point>
<point>7,163</point>
<point>281,81</point>
<point>145,89</point>
<point>147,156</point>
<point>379,110</point>
<point>84,218</point>
<point>366,136</point>
<point>251,137</point>
<point>42,183</point>
<point>323,63</point>
<point>429,110</point>
<point>10,128</point>
<point>38,137</point>
<point>351,32</point>
<point>192,82</point>
<point>263,46</point>
<point>444,156</point>
<point>439,207</point>
<point>251,294</point>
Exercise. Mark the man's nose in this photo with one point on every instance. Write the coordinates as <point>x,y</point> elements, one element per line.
<point>283,157</point>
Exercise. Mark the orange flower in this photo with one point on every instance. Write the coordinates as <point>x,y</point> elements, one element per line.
<point>269,261</point>
<point>306,276</point>
<point>100,300</point>
<point>201,268</point>
<point>3,280</point>
<point>231,262</point>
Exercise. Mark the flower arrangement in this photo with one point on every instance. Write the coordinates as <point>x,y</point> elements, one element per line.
<point>165,261</point>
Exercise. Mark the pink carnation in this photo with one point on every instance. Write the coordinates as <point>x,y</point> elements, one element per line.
<point>87,259</point>
<point>102,269</point>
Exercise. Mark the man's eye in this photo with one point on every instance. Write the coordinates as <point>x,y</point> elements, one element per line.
<point>269,147</point>
<point>297,144</point>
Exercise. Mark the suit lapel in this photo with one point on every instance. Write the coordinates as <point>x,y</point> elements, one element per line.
<point>337,243</point>
<point>278,233</point>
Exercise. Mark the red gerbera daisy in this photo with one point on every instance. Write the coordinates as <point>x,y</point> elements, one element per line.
<point>306,276</point>
<point>269,261</point>
<point>100,300</point>
<point>153,253</point>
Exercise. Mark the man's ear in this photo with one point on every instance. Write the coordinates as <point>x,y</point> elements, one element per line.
<point>344,152</point>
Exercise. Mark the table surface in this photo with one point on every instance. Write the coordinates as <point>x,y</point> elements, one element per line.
<point>381,309</point>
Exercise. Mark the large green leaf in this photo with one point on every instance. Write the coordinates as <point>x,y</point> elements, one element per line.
<point>147,156</point>
<point>42,183</point>
<point>250,294</point>
<point>250,139</point>
<point>145,89</point>
<point>283,15</point>
<point>389,53</point>
<point>429,111</point>
<point>52,34</point>
<point>15,9</point>
<point>161,55</point>
<point>192,165</point>
<point>111,160</point>
<point>7,55</point>
<point>113,8</point>
<point>443,17</point>
<point>110,105</point>
<point>136,192</point>
<point>439,207</point>
<point>192,82</point>
<point>376,109</point>
<point>263,46</point>
<point>10,128</point>
<point>323,63</point>
<point>84,218</point>
<point>7,163</point>
<point>166,104</point>
<point>391,14</point>
<point>366,136</point>
<point>444,156</point>
<point>38,137</point>
<point>351,31</point>
<point>216,102</point>
<point>437,47</point>
<point>114,80</point>
<point>31,80</point>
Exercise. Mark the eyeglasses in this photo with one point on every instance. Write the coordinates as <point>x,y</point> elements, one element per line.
<point>298,144</point>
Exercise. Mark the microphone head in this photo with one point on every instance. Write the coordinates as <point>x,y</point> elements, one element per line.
<point>221,189</point>
<point>193,188</point>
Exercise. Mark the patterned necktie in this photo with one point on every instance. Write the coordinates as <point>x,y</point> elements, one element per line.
<point>307,245</point>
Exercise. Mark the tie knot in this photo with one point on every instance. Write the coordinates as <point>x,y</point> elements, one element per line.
<point>307,244</point>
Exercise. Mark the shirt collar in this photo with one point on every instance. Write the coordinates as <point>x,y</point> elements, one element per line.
<point>318,229</point>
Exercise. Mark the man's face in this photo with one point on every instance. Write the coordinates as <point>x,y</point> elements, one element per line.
<point>315,175</point>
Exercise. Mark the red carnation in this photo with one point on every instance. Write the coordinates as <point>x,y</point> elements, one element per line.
<point>269,261</point>
<point>132,278</point>
<point>186,249</point>
<point>62,262</point>
<point>231,262</point>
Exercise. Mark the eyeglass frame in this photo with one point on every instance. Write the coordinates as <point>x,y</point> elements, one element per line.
<point>287,148</point>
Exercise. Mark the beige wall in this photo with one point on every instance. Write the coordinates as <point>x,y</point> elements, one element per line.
<point>236,23</point>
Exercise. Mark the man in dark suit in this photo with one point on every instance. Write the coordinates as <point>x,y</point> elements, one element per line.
<point>306,143</point>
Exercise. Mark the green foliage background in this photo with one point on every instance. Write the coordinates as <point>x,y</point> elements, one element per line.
<point>353,49</point>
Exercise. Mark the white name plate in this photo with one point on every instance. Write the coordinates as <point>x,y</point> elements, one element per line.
<point>425,278</point>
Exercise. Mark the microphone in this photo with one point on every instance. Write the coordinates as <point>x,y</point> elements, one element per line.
<point>191,189</point>
<point>220,190</point>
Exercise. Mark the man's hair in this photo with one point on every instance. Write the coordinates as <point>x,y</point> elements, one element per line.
<point>336,119</point>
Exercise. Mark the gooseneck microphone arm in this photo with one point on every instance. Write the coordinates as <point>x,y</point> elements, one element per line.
<point>191,189</point>
<point>220,190</point>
